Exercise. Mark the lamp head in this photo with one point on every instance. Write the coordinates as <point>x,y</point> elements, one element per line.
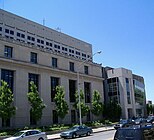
<point>99,52</point>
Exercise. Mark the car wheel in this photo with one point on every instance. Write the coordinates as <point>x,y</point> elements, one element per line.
<point>88,133</point>
<point>73,135</point>
<point>40,139</point>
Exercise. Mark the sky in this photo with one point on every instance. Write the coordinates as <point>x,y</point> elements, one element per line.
<point>122,29</point>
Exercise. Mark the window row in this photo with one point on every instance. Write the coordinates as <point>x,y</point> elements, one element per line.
<point>30,39</point>
<point>8,52</point>
<point>8,76</point>
<point>55,119</point>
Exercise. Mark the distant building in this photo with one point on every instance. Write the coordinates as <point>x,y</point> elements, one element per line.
<point>33,52</point>
<point>127,89</point>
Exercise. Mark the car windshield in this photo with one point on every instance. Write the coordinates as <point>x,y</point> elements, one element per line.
<point>18,134</point>
<point>123,121</point>
<point>122,134</point>
<point>74,127</point>
<point>150,117</point>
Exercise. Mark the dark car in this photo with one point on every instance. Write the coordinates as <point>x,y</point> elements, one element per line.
<point>135,132</point>
<point>140,121</point>
<point>123,123</point>
<point>150,119</point>
<point>76,131</point>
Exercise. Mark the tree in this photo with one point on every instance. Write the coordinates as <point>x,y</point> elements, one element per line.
<point>7,110</point>
<point>112,111</point>
<point>36,102</point>
<point>84,108</point>
<point>149,109</point>
<point>97,105</point>
<point>61,104</point>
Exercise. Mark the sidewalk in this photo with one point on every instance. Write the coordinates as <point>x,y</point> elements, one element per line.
<point>95,130</point>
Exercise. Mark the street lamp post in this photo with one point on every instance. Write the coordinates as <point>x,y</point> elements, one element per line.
<point>78,86</point>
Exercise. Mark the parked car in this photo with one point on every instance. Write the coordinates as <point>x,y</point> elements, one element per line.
<point>76,131</point>
<point>135,132</point>
<point>150,119</point>
<point>140,120</point>
<point>28,135</point>
<point>123,123</point>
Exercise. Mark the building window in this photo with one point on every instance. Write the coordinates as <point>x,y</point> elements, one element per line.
<point>7,76</point>
<point>38,40</point>
<point>32,119</point>
<point>54,62</point>
<point>54,83</point>
<point>7,31</point>
<point>87,92</point>
<point>11,32</point>
<point>8,52</point>
<point>55,117</point>
<point>86,69</point>
<point>6,122</point>
<point>128,91</point>
<point>34,78</point>
<point>0,28</point>
<point>88,116</point>
<point>73,116</point>
<point>33,58</point>
<point>71,66</point>
<point>72,90</point>
<point>113,89</point>
<point>31,38</point>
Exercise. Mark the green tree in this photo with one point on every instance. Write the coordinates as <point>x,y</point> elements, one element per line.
<point>84,108</point>
<point>149,109</point>
<point>112,111</point>
<point>97,105</point>
<point>61,104</point>
<point>7,110</point>
<point>36,102</point>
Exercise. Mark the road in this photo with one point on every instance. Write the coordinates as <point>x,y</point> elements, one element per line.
<point>107,135</point>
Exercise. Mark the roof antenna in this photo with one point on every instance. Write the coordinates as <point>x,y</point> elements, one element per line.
<point>58,29</point>
<point>43,21</point>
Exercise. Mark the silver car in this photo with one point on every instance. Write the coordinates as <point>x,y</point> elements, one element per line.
<point>28,135</point>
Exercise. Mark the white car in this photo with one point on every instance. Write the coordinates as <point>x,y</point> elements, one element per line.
<point>28,135</point>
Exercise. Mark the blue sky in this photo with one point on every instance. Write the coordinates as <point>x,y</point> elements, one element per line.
<point>122,29</point>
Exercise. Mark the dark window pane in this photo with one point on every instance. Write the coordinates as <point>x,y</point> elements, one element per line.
<point>86,69</point>
<point>18,34</point>
<point>73,116</point>
<point>42,42</point>
<point>11,32</point>
<point>54,62</point>
<point>72,89</point>
<point>55,117</point>
<point>22,35</point>
<point>71,66</point>
<point>34,78</point>
<point>6,30</point>
<point>7,76</point>
<point>87,92</point>
<point>38,40</point>
<point>33,58</point>
<point>8,51</point>
<point>54,83</point>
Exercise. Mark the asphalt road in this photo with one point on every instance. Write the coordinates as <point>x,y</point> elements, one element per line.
<point>107,135</point>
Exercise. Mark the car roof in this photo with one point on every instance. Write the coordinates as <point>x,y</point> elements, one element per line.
<point>29,130</point>
<point>137,127</point>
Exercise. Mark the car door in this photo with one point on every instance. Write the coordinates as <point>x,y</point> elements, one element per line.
<point>26,136</point>
<point>30,135</point>
<point>82,130</point>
